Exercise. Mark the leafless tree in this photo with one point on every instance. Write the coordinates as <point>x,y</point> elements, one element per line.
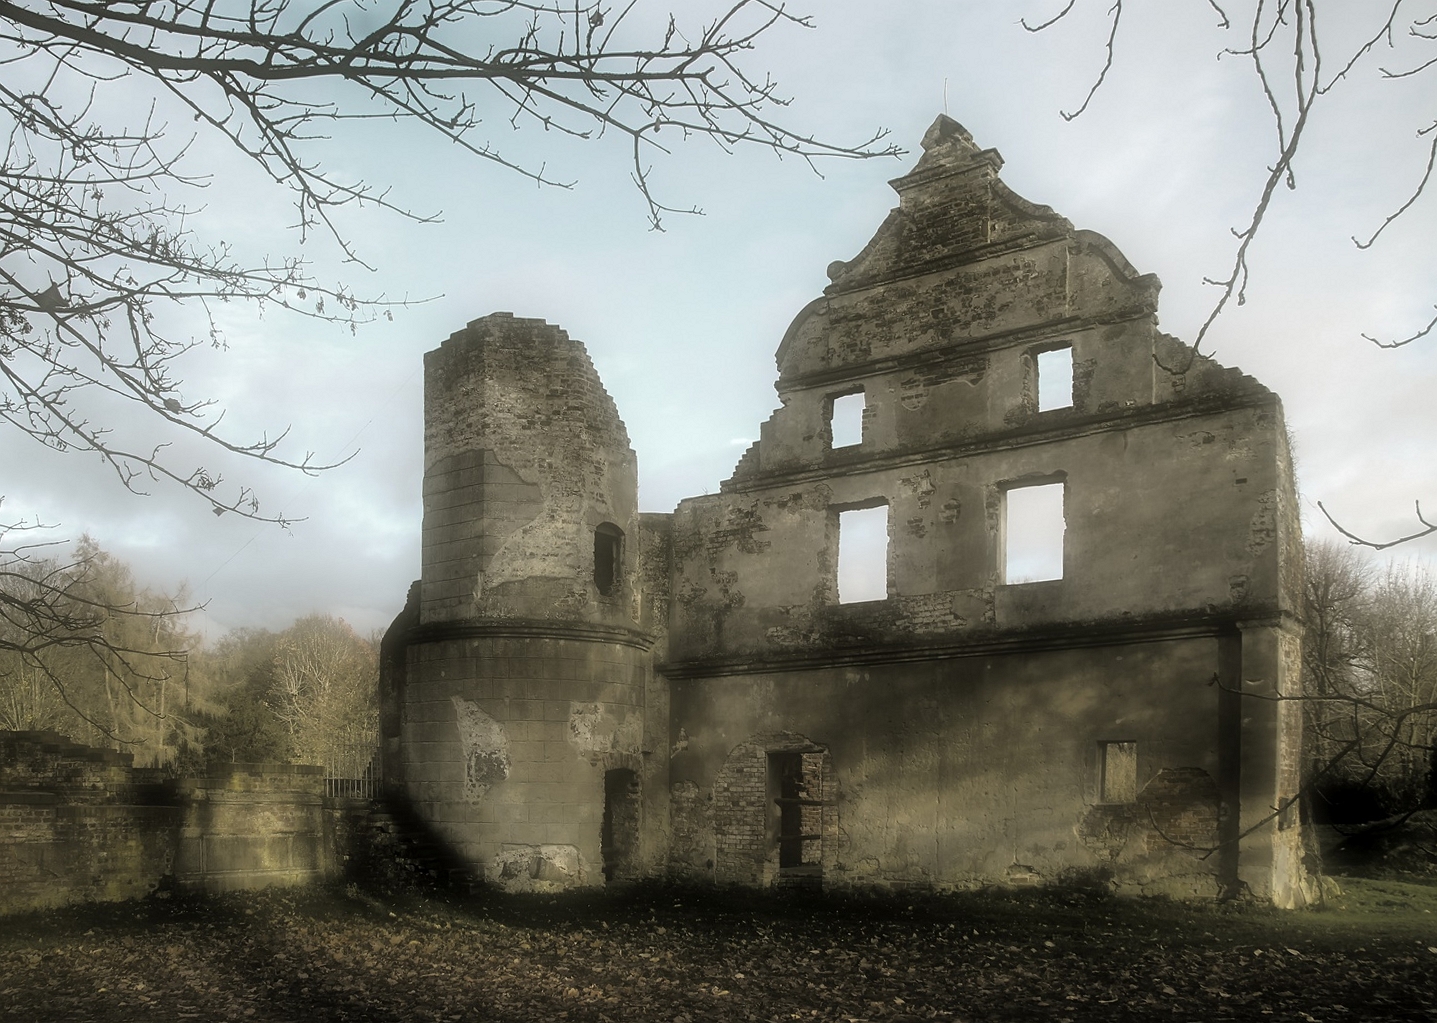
<point>1301,55</point>
<point>97,245</point>
<point>326,688</point>
<point>86,652</point>
<point>1370,677</point>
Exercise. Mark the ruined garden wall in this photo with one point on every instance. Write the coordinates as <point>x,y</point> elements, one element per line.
<point>254,825</point>
<point>80,824</point>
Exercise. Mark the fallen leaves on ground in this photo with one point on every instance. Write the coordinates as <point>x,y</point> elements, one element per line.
<point>679,956</point>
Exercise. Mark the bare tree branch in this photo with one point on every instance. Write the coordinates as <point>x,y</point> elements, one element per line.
<point>96,254</point>
<point>1284,42</point>
<point>1428,529</point>
<point>108,282</point>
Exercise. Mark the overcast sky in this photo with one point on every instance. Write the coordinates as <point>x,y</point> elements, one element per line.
<point>682,324</point>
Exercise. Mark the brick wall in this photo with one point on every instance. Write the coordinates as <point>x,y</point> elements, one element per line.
<point>745,818</point>
<point>79,824</point>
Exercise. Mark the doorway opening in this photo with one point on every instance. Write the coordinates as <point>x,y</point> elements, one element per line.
<point>795,782</point>
<point>619,833</point>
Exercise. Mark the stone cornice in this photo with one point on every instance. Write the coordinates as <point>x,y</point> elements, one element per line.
<point>528,628</point>
<point>1066,636</point>
<point>963,348</point>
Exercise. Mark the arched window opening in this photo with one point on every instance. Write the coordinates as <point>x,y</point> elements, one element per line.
<point>608,558</point>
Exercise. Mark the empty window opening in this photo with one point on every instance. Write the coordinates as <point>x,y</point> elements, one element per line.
<point>796,781</point>
<point>1055,379</point>
<point>863,554</point>
<point>608,557</point>
<point>619,832</point>
<point>845,421</point>
<point>1287,812</point>
<point>1033,527</point>
<point>1119,768</point>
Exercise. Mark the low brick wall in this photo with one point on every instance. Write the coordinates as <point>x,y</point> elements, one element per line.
<point>79,824</point>
<point>53,854</point>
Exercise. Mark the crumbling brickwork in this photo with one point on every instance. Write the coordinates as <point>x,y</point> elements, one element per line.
<point>954,718</point>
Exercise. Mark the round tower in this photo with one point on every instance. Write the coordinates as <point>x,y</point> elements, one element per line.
<point>522,708</point>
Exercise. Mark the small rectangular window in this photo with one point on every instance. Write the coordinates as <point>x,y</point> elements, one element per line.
<point>608,557</point>
<point>1287,812</point>
<point>1033,527</point>
<point>845,420</point>
<point>1055,379</point>
<point>1119,782</point>
<point>863,554</point>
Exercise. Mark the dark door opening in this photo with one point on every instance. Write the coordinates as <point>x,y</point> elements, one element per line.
<point>619,833</point>
<point>796,778</point>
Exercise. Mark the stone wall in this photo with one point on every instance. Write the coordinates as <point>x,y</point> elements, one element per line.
<point>253,825</point>
<point>956,771</point>
<point>966,709</point>
<point>79,824</point>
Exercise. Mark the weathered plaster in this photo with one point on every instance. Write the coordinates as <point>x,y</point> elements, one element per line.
<point>485,748</point>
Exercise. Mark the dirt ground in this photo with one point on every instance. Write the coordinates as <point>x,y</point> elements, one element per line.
<point>679,956</point>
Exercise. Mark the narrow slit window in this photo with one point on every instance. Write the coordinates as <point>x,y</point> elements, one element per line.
<point>1119,783</point>
<point>846,420</point>
<point>1055,379</point>
<point>863,554</point>
<point>608,557</point>
<point>1033,530</point>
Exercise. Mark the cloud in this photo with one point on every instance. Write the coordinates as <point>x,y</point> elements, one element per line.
<point>683,324</point>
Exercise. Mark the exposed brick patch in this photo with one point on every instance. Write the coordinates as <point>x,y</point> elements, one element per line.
<point>1176,813</point>
<point>745,819</point>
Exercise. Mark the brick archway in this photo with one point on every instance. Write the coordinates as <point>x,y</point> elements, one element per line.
<point>775,813</point>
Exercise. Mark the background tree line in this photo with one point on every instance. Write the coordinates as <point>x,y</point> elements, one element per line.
<point>1370,685</point>
<point>116,665</point>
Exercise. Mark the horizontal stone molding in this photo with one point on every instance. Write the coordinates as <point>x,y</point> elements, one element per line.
<point>1116,632</point>
<point>528,628</point>
<point>963,348</point>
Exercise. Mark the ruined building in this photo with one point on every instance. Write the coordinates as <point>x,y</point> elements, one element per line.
<point>580,692</point>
